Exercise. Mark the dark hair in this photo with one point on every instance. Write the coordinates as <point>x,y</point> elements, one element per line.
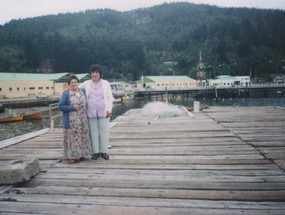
<point>71,78</point>
<point>95,68</point>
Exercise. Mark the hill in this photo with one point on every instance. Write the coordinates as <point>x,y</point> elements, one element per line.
<point>129,44</point>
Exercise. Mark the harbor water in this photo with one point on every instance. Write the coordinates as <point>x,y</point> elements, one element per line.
<point>12,129</point>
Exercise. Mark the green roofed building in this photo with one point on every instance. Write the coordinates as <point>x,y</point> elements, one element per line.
<point>83,77</point>
<point>165,82</point>
<point>13,85</point>
<point>57,77</point>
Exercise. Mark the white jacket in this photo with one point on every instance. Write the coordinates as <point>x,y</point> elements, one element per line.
<point>108,95</point>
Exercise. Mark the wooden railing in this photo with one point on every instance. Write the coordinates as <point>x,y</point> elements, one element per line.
<point>51,117</point>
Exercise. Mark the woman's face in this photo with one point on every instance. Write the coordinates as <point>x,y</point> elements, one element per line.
<point>73,84</point>
<point>95,76</point>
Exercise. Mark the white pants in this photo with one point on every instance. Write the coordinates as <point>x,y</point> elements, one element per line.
<point>99,134</point>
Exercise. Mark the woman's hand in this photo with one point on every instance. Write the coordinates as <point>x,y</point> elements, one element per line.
<point>108,114</point>
<point>76,107</point>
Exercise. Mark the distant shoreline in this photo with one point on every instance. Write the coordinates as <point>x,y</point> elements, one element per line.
<point>24,102</point>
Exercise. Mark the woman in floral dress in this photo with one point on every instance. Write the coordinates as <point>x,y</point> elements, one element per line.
<point>76,139</point>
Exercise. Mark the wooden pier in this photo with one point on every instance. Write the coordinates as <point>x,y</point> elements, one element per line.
<point>252,91</point>
<point>224,160</point>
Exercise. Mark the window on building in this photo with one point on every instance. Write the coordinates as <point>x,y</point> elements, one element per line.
<point>10,89</point>
<point>0,89</point>
<point>18,88</point>
<point>47,88</point>
<point>31,88</point>
<point>40,88</point>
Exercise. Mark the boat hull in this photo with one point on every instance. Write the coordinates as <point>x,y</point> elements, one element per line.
<point>12,118</point>
<point>31,116</point>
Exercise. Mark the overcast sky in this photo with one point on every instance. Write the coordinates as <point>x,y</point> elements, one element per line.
<point>15,9</point>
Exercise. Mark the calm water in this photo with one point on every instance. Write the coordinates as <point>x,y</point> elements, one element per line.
<point>9,130</point>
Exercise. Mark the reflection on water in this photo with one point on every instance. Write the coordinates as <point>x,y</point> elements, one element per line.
<point>8,130</point>
<point>13,129</point>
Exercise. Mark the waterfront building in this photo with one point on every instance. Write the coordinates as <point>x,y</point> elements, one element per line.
<point>227,81</point>
<point>165,82</point>
<point>15,85</point>
<point>83,77</point>
<point>279,79</point>
<point>121,89</point>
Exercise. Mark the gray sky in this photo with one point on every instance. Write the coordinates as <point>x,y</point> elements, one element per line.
<point>15,9</point>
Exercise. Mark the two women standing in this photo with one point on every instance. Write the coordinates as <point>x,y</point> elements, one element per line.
<point>95,102</point>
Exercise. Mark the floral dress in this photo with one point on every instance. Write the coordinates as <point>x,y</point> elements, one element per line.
<point>76,142</point>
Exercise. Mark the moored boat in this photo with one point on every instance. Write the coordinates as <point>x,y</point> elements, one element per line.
<point>127,98</point>
<point>117,100</point>
<point>35,115</point>
<point>11,118</point>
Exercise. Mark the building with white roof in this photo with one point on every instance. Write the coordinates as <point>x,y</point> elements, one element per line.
<point>227,81</point>
<point>165,82</point>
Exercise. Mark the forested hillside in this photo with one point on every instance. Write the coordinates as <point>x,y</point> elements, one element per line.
<point>129,44</point>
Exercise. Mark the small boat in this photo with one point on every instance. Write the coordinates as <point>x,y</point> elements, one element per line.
<point>117,100</point>
<point>127,98</point>
<point>35,115</point>
<point>11,118</point>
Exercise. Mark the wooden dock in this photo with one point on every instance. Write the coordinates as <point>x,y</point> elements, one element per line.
<point>225,160</point>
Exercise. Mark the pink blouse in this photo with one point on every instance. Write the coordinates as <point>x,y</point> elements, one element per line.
<point>95,101</point>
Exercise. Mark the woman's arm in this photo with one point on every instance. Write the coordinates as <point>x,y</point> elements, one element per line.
<point>64,103</point>
<point>110,98</point>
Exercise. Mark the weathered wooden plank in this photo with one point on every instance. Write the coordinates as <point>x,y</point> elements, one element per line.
<point>116,165</point>
<point>281,163</point>
<point>48,208</point>
<point>201,141</point>
<point>274,125</point>
<point>183,151</point>
<point>92,169</point>
<point>141,159</point>
<point>272,149</point>
<point>231,147</point>
<point>169,134</point>
<point>191,158</point>
<point>143,184</point>
<point>270,143</point>
<point>195,177</point>
<point>242,195</point>
<point>147,202</point>
<point>275,155</point>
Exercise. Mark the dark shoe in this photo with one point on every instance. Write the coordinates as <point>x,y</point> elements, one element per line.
<point>96,156</point>
<point>105,156</point>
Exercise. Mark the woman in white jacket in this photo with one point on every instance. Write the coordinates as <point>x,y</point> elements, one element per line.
<point>99,110</point>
